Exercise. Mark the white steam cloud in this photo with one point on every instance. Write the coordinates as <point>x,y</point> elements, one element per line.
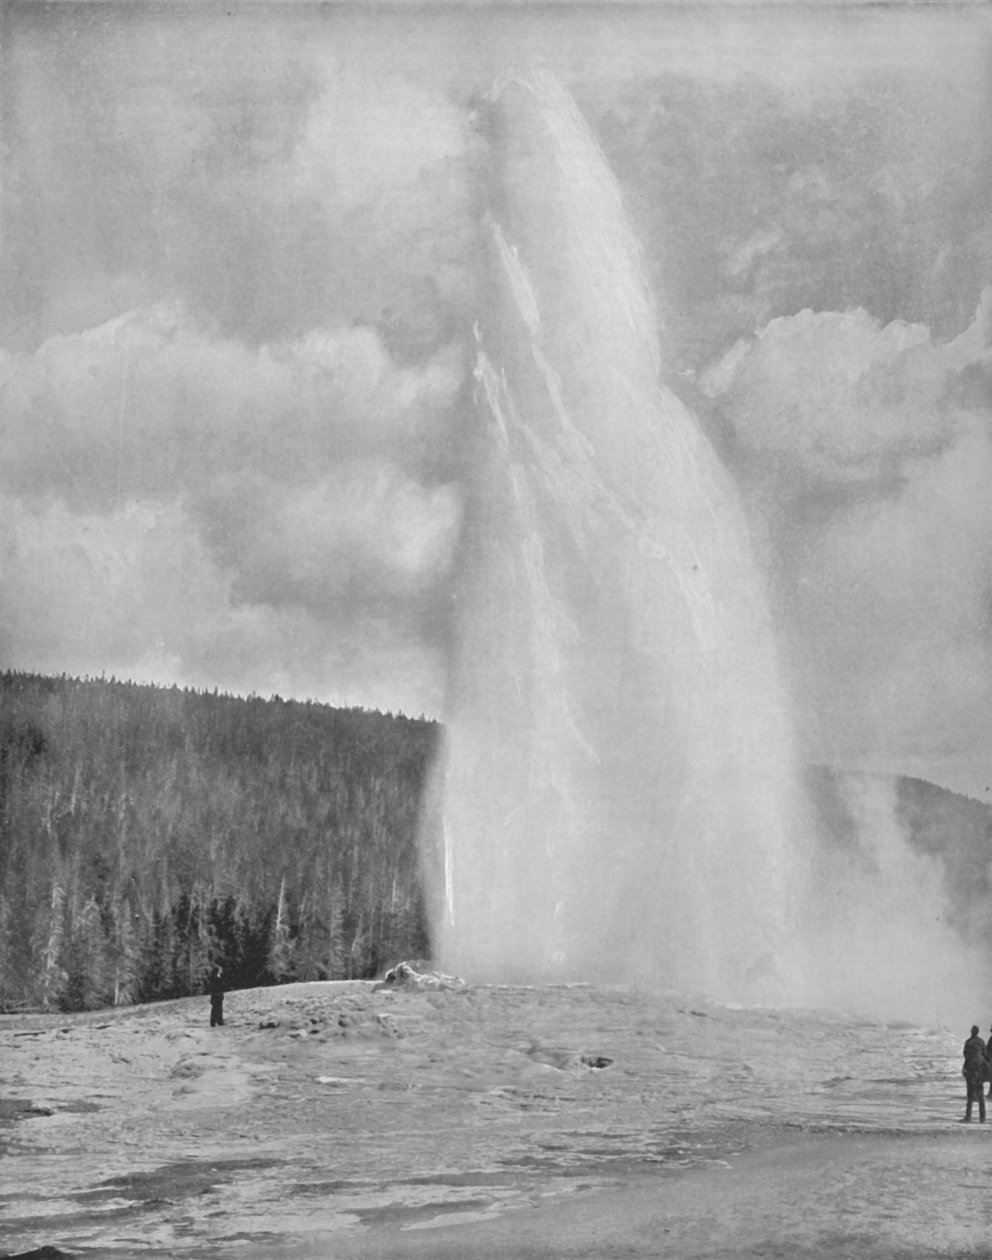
<point>870,456</point>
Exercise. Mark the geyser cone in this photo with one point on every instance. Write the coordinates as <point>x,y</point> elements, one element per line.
<point>617,786</point>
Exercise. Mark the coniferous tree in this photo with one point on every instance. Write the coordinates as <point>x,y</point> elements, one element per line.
<point>279,962</point>
<point>51,978</point>
<point>126,955</point>
<point>87,969</point>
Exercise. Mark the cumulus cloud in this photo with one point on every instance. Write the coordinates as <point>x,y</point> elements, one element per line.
<point>895,599</point>
<point>238,267</point>
<point>149,405</point>
<point>102,588</point>
<point>138,593</point>
<point>874,446</point>
<point>838,395</point>
<point>179,502</point>
<point>241,263</point>
<point>363,535</point>
<point>231,164</point>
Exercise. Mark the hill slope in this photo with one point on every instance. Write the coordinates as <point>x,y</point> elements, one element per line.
<point>145,832</point>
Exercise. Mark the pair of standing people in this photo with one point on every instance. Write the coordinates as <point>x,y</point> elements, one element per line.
<point>976,1070</point>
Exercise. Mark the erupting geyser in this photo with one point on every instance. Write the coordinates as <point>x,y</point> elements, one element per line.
<point>617,789</point>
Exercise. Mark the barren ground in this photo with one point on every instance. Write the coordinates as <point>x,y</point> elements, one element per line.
<point>336,1120</point>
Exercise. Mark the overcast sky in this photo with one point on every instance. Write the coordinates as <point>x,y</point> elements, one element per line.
<point>241,264</point>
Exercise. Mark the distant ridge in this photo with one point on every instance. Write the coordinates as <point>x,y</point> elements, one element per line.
<point>29,678</point>
<point>943,824</point>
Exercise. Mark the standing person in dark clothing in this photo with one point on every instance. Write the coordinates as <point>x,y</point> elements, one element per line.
<point>215,987</point>
<point>976,1072</point>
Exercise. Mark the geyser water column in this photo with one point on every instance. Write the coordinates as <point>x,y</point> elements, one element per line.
<point>616,790</point>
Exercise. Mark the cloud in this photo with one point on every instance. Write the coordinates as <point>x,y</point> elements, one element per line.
<point>362,139</point>
<point>242,252</point>
<point>239,262</point>
<point>138,593</point>
<point>893,607</point>
<point>178,503</point>
<point>131,145</point>
<point>150,406</point>
<point>839,397</point>
<point>865,186</point>
<point>101,587</point>
<point>868,453</point>
<point>231,165</point>
<point>364,535</point>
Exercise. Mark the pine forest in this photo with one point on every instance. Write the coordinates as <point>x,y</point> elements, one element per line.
<point>148,833</point>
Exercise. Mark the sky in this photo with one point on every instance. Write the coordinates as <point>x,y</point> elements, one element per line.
<point>241,263</point>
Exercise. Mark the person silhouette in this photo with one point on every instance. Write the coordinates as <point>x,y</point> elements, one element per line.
<point>215,987</point>
<point>975,1071</point>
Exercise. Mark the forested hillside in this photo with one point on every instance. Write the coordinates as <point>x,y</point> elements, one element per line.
<point>148,832</point>
<point>958,830</point>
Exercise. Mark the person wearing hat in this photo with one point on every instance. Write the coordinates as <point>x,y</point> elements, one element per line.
<point>975,1071</point>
